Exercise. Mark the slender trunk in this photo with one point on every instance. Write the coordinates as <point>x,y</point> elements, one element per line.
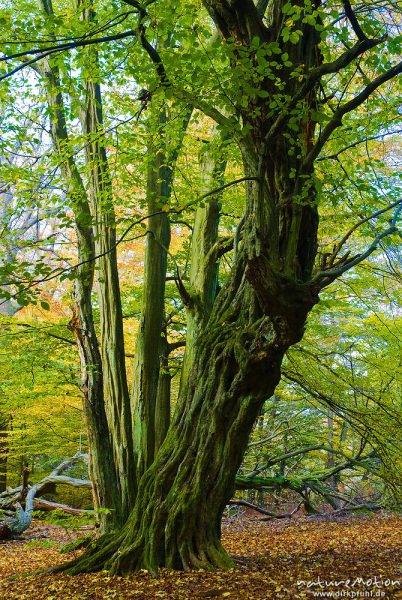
<point>116,394</point>
<point>282,464</point>
<point>331,435</point>
<point>102,469</point>
<point>10,240</point>
<point>100,195</point>
<point>106,488</point>
<point>334,479</point>
<point>151,388</point>
<point>203,274</point>
<point>149,348</point>
<point>162,408</point>
<point>4,419</point>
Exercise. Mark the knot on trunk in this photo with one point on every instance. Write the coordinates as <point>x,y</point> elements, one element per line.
<point>259,353</point>
<point>286,301</point>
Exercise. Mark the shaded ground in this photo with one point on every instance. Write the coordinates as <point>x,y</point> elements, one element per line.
<point>273,558</point>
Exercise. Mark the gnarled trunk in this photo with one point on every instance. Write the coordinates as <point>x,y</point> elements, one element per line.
<point>261,311</point>
<point>235,367</point>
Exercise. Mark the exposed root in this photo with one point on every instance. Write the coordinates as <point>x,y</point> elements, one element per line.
<point>93,559</point>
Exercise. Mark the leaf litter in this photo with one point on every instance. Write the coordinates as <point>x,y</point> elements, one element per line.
<point>275,559</point>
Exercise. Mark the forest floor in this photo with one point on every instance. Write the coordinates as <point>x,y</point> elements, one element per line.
<point>297,558</point>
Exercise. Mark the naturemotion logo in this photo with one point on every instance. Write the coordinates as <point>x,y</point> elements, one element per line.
<point>372,587</point>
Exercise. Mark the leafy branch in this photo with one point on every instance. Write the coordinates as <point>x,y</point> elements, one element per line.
<point>60,271</point>
<point>327,276</point>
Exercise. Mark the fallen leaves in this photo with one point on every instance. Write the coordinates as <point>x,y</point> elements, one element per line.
<point>272,559</point>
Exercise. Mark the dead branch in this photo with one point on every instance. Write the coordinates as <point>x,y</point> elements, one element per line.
<point>12,498</point>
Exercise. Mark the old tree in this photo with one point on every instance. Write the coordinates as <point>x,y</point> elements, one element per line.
<point>280,80</point>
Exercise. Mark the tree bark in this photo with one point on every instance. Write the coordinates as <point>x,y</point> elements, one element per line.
<point>236,362</point>
<point>100,196</point>
<point>4,421</point>
<point>236,366</point>
<point>334,480</point>
<point>151,387</point>
<point>148,427</point>
<point>104,475</point>
<point>203,273</point>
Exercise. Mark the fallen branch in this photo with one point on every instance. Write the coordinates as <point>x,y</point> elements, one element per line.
<point>263,511</point>
<point>370,506</point>
<point>12,498</point>
<point>47,505</point>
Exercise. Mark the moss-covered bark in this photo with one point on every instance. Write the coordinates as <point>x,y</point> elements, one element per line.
<point>151,386</point>
<point>149,347</point>
<point>236,366</point>
<point>176,519</point>
<point>4,424</point>
<point>203,272</point>
<point>238,349</point>
<point>103,377</point>
<point>100,195</point>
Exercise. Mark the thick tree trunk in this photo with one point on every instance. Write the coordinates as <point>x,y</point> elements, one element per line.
<point>236,366</point>
<point>181,498</point>
<point>236,363</point>
<point>262,309</point>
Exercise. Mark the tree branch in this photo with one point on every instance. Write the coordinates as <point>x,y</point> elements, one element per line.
<point>356,226</point>
<point>53,335</point>
<point>122,238</point>
<point>324,278</point>
<point>353,20</point>
<point>352,104</point>
<point>314,76</point>
<point>43,52</point>
<point>23,518</point>
<point>263,511</point>
<point>275,460</point>
<point>380,136</point>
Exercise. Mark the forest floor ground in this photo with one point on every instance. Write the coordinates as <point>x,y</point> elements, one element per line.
<point>297,558</point>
